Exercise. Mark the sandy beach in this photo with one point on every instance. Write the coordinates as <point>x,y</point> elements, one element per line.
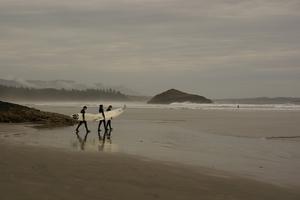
<point>156,154</point>
<point>43,173</point>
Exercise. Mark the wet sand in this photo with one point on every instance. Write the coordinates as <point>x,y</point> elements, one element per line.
<point>29,172</point>
<point>156,153</point>
<point>235,122</point>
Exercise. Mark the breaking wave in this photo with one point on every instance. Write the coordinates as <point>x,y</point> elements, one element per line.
<point>186,105</point>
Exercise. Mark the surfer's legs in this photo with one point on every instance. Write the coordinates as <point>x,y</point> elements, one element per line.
<point>86,128</point>
<point>104,123</point>
<point>100,122</point>
<point>108,124</point>
<point>109,134</point>
<point>79,124</point>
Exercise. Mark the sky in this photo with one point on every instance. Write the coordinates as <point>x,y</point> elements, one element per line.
<point>215,48</point>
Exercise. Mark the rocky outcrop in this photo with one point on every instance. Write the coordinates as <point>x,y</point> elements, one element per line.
<point>14,113</point>
<point>172,96</point>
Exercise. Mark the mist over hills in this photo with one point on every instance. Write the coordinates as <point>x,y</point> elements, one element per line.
<point>10,93</point>
<point>11,83</point>
<point>11,89</point>
<point>65,84</point>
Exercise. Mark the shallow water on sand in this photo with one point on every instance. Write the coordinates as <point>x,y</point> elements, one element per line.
<point>251,144</point>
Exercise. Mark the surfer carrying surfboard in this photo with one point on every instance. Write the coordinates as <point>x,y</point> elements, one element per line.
<point>108,124</point>
<point>83,121</point>
<point>101,111</point>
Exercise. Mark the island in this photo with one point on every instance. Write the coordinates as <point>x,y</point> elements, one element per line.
<point>14,113</point>
<point>173,95</point>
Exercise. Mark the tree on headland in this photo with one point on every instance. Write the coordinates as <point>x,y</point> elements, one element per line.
<point>50,94</point>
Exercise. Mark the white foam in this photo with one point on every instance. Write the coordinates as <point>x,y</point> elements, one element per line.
<point>186,105</point>
<point>216,106</point>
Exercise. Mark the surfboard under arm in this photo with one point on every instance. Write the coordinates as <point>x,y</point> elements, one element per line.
<point>97,117</point>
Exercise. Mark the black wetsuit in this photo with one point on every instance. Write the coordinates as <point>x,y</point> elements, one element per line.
<point>82,121</point>
<point>108,123</point>
<point>100,122</point>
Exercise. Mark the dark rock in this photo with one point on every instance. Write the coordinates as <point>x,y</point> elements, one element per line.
<point>14,113</point>
<point>172,95</point>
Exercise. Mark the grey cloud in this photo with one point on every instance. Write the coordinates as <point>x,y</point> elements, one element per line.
<point>190,44</point>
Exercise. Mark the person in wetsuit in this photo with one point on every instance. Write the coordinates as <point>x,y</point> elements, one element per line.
<point>108,124</point>
<point>101,111</point>
<point>83,120</point>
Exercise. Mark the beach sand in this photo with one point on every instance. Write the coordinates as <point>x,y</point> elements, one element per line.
<point>29,172</point>
<point>156,154</point>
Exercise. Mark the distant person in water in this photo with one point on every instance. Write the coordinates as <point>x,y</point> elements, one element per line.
<point>101,111</point>
<point>108,124</point>
<point>83,120</point>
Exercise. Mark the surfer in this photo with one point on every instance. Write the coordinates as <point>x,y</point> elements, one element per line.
<point>83,120</point>
<point>101,111</point>
<point>108,124</point>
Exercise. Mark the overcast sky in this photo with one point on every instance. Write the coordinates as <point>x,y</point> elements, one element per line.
<point>216,48</point>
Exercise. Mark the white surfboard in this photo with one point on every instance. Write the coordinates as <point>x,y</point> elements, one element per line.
<point>97,117</point>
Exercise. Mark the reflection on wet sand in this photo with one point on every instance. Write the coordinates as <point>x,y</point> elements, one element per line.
<point>101,143</point>
<point>106,136</point>
<point>82,141</point>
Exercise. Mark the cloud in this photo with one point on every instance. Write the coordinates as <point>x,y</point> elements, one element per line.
<point>122,41</point>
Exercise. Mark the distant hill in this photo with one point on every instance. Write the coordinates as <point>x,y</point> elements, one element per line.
<point>14,113</point>
<point>30,94</point>
<point>56,84</point>
<point>120,88</point>
<point>173,95</point>
<point>261,100</point>
<point>65,84</point>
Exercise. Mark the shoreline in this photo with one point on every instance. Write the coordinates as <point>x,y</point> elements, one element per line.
<point>168,154</point>
<point>234,142</point>
<point>44,172</point>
